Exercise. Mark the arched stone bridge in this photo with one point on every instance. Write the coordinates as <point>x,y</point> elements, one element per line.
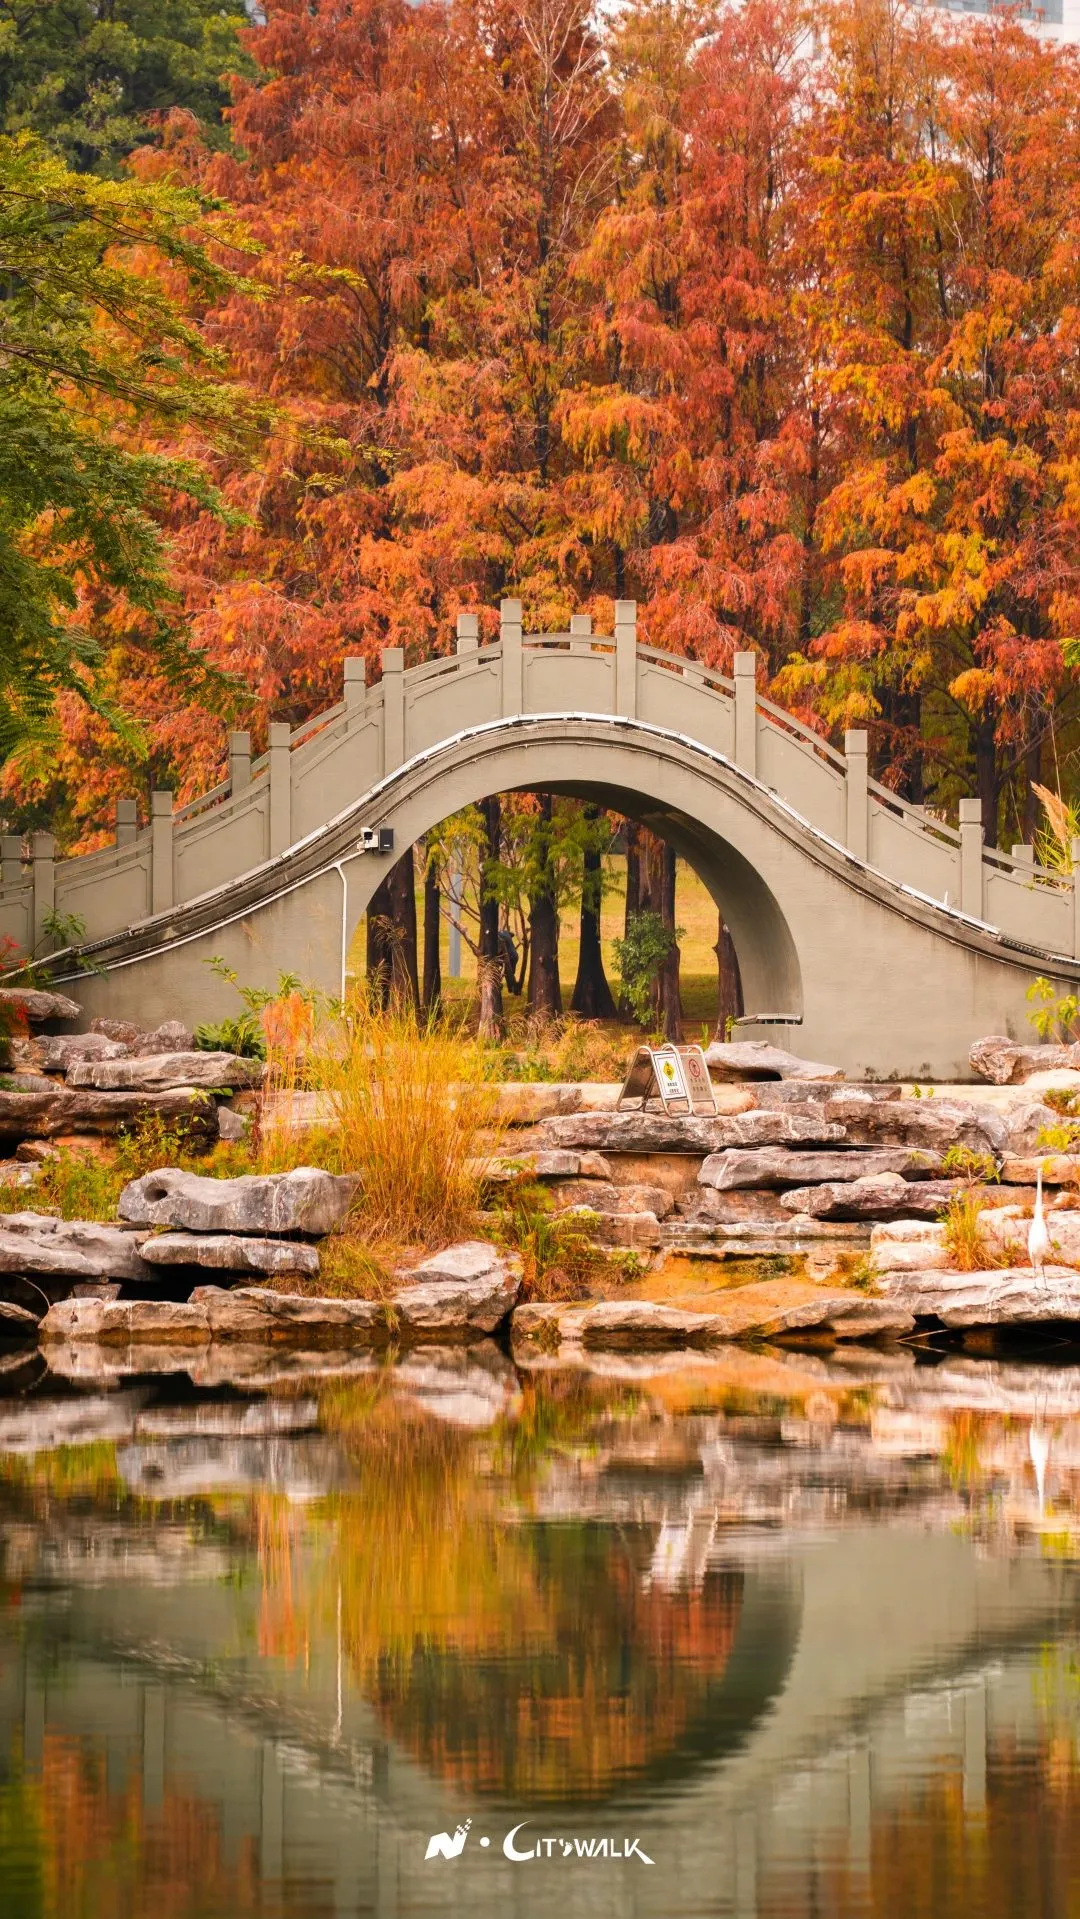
<point>867,932</point>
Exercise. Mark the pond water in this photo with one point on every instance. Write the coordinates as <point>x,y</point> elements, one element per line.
<point>801,1631</point>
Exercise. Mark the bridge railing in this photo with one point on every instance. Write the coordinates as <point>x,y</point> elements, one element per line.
<point>313,772</point>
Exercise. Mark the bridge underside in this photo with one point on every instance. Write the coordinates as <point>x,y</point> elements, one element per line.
<point>869,975</point>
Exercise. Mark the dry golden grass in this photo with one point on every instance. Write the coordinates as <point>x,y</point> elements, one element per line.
<point>409,1105</point>
<point>965,1241</point>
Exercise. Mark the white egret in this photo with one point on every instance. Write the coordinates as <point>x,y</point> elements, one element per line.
<point>1038,1236</point>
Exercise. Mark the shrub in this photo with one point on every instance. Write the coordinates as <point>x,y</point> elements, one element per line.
<point>242,1036</point>
<point>639,957</point>
<point>411,1108</point>
<point>559,1258</point>
<point>1055,1015</point>
<point>965,1242</point>
<point>975,1169</point>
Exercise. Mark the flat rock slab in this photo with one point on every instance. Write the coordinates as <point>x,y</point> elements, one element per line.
<point>16,1320</point>
<point>231,1253</point>
<point>756,1059</point>
<point>158,1071</point>
<point>1009,1296</point>
<point>122,1322</point>
<point>600,1196</point>
<point>662,1133</point>
<point>556,1162</point>
<point>71,1248</point>
<point>636,1232</point>
<point>1058,1169</point>
<point>37,1007</point>
<point>65,1050</point>
<point>306,1200</point>
<point>933,1123</point>
<point>776,1166</point>
<point>470,1260</point>
<point>1006,1063</point>
<point>877,1196</point>
<point>768,1310</point>
<point>46,1115</point>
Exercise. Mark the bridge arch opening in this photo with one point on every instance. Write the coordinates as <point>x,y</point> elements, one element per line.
<point>625,780</point>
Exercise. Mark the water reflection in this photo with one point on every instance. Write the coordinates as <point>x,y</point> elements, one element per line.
<point>810,1625</point>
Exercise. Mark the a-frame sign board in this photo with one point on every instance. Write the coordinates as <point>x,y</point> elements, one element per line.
<point>676,1075</point>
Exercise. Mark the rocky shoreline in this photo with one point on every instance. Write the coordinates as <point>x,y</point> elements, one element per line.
<point>790,1160</point>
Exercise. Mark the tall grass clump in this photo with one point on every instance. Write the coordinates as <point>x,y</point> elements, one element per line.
<point>965,1240</point>
<point>410,1108</point>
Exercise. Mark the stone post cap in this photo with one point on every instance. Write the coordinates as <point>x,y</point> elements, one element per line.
<point>161,801</point>
<point>971,813</point>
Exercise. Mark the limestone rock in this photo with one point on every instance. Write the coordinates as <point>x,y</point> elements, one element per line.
<point>38,1007</point>
<point>756,1059</point>
<point>306,1200</point>
<point>231,1253</point>
<point>1008,1296</point>
<point>470,1260</point>
<point>152,1071</point>
<point>775,1166</point>
<point>935,1124</point>
<point>637,1231</point>
<point>660,1133</point>
<point>123,1321</point>
<point>602,1197</point>
<point>65,1050</point>
<point>171,1037</point>
<point>123,1030</point>
<point>255,1313</point>
<point>909,1246</point>
<point>1058,1169</point>
<point>25,1082</point>
<point>771,1309</point>
<point>452,1309</point>
<point>45,1115</point>
<point>1027,1122</point>
<point>80,1248</point>
<point>1008,1064</point>
<point>876,1196</point>
<point>556,1162</point>
<point>232,1127</point>
<point>633,1133</point>
<point>16,1321</point>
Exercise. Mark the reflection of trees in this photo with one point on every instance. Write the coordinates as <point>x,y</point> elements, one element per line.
<point>536,1662</point>
<point>72,1848</point>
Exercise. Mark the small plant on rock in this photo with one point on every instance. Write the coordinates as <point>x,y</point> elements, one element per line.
<point>1055,1016</point>
<point>975,1169</point>
<point>965,1238</point>
<point>560,1259</point>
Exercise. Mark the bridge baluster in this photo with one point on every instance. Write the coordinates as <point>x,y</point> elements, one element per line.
<point>468,632</point>
<point>127,821</point>
<point>43,855</point>
<point>355,680</point>
<point>513,687</point>
<point>856,752</point>
<point>745,665</point>
<point>393,680</point>
<point>971,858</point>
<point>11,859</point>
<point>626,658</point>
<point>280,788</point>
<point>239,761</point>
<point>162,877</point>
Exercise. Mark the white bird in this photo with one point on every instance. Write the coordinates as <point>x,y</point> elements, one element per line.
<point>1038,1237</point>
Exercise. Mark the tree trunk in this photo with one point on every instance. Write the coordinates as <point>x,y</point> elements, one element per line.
<point>405,983</point>
<point>592,994</point>
<point>491,1024</point>
<point>730,997</point>
<point>378,960</point>
<point>545,990</point>
<point>1029,812</point>
<point>669,1002</point>
<point>987,777</point>
<point>432,929</point>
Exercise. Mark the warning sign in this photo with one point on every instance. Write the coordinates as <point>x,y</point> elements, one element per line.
<point>676,1075</point>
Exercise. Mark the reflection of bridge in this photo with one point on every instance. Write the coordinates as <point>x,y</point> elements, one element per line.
<point>913,1651</point>
<point>831,885</point>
